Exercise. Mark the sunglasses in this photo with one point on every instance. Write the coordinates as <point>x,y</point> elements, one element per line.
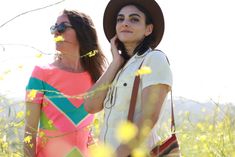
<point>60,28</point>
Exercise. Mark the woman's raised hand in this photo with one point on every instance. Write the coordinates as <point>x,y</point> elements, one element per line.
<point>117,58</point>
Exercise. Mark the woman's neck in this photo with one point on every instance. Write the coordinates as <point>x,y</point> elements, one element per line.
<point>130,49</point>
<point>70,63</point>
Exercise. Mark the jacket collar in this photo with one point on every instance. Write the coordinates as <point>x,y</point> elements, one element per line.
<point>136,57</point>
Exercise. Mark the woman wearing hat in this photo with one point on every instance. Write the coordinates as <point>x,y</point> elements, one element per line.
<point>134,29</point>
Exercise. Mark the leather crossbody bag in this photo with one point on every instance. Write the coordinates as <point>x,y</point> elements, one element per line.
<point>169,147</point>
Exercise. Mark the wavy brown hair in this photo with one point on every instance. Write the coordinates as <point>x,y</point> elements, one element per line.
<point>88,41</point>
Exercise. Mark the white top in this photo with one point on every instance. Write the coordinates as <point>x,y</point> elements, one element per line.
<point>117,101</point>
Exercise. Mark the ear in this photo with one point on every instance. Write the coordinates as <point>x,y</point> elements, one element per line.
<point>148,30</point>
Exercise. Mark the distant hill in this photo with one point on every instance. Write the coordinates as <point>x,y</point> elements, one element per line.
<point>196,111</point>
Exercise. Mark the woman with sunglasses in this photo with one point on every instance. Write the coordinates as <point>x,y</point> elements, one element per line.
<point>57,124</point>
<point>134,29</point>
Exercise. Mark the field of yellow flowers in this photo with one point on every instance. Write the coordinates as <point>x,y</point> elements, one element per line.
<point>213,135</point>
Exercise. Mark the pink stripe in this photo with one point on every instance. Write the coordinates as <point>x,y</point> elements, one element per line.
<point>62,142</point>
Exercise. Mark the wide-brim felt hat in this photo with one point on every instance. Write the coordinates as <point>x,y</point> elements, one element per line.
<point>154,10</point>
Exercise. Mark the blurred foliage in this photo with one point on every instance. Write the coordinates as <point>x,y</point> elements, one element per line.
<point>11,127</point>
<point>212,137</point>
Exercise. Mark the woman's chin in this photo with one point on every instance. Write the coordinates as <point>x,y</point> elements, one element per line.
<point>58,47</point>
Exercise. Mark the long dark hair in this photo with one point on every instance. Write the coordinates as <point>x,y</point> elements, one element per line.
<point>88,41</point>
<point>147,42</point>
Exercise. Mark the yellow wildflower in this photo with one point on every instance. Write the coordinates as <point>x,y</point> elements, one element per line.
<point>138,152</point>
<point>50,122</point>
<point>21,123</point>
<point>211,127</point>
<point>143,70</point>
<point>101,150</point>
<point>96,122</point>
<point>126,131</point>
<point>5,145</point>
<point>20,114</point>
<point>233,153</point>
<point>59,39</point>
<point>16,155</point>
<point>39,55</point>
<point>32,94</point>
<point>200,126</point>
<point>41,134</point>
<point>28,113</point>
<point>27,139</point>
<point>90,53</point>
<point>202,138</point>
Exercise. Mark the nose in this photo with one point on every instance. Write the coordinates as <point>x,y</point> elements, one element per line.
<point>56,34</point>
<point>125,23</point>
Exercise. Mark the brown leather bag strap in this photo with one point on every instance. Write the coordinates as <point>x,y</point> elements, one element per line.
<point>172,114</point>
<point>133,102</point>
<point>134,96</point>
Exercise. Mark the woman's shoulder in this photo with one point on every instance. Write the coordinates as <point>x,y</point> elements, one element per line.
<point>44,67</point>
<point>41,69</point>
<point>156,55</point>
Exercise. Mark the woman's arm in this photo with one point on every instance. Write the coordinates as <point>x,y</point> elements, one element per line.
<point>31,128</point>
<point>94,103</point>
<point>152,99</point>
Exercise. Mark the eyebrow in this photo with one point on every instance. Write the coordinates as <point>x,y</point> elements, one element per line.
<point>134,14</point>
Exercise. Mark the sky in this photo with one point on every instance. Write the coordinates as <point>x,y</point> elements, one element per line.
<point>198,40</point>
